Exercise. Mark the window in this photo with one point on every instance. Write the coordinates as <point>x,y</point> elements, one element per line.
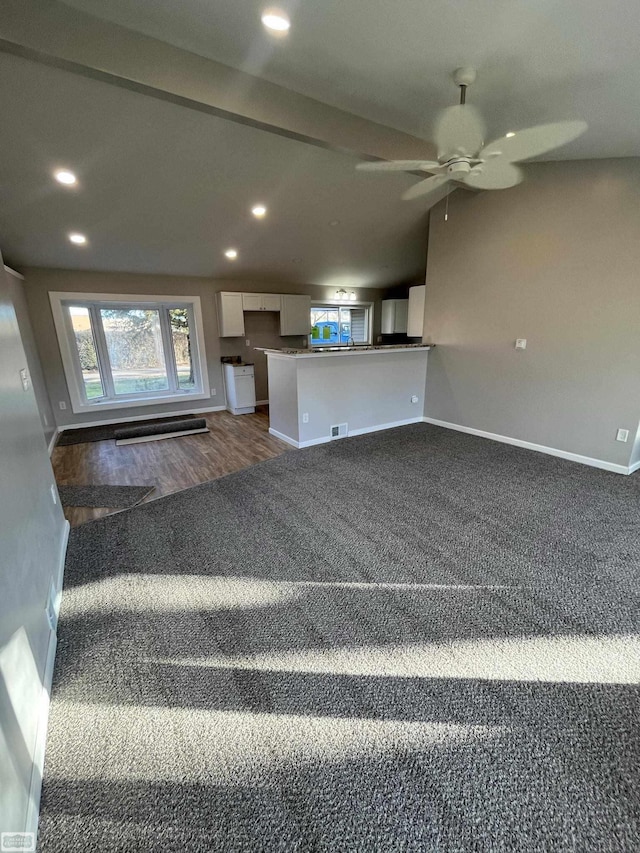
<point>340,325</point>
<point>123,350</point>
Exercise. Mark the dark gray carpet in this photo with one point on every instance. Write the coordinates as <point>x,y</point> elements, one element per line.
<point>107,431</point>
<point>416,640</point>
<point>103,495</point>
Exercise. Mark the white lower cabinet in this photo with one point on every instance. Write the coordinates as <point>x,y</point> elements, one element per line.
<point>241,389</point>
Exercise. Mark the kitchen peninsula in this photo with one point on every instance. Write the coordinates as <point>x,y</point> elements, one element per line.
<point>317,395</point>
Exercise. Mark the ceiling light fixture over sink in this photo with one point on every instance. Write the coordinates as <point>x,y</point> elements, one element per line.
<point>232,254</point>
<point>259,210</point>
<point>78,239</point>
<point>276,21</point>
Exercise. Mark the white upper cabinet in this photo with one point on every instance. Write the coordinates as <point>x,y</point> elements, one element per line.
<point>295,316</point>
<point>394,316</point>
<point>415,324</point>
<point>230,315</point>
<point>261,301</point>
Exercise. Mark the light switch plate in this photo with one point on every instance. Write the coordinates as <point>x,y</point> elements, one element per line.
<point>24,378</point>
<point>521,343</point>
<point>622,435</point>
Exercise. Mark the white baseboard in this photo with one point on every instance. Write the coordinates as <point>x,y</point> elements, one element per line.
<point>37,772</point>
<point>634,467</point>
<point>54,438</point>
<point>352,432</point>
<point>35,785</point>
<point>539,448</point>
<point>61,559</point>
<point>262,402</point>
<point>283,437</point>
<point>141,418</point>
<point>405,422</point>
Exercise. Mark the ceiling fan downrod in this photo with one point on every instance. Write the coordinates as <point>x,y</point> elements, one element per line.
<point>464,77</point>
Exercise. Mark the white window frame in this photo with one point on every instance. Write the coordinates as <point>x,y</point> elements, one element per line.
<point>71,361</point>
<point>333,303</point>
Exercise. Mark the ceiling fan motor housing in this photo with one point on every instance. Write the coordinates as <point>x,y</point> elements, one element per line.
<point>458,168</point>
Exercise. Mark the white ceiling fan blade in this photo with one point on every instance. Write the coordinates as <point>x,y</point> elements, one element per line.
<point>459,130</point>
<point>496,174</point>
<point>426,186</point>
<point>399,166</point>
<point>534,140</point>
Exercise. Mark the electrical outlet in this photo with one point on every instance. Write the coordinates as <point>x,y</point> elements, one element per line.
<point>414,398</point>
<point>62,405</point>
<point>213,392</point>
<point>622,435</point>
<point>24,378</point>
<point>247,342</point>
<point>305,418</point>
<point>521,343</point>
<point>54,493</point>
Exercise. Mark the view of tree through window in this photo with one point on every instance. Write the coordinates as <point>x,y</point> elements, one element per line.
<point>133,350</point>
<point>86,345</point>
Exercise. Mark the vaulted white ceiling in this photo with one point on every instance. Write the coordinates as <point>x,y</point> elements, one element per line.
<point>539,61</point>
<point>167,189</point>
<point>171,149</point>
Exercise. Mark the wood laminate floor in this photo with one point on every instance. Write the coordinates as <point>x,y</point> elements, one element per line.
<point>234,442</point>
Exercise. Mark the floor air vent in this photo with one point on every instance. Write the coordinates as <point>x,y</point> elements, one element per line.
<point>339,430</point>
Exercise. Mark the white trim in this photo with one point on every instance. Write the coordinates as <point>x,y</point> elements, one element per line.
<point>283,437</point>
<point>539,448</point>
<point>142,438</point>
<point>61,559</point>
<point>70,361</point>
<point>634,467</point>
<point>85,424</point>
<point>37,771</point>
<point>52,442</point>
<point>13,272</point>
<point>262,402</point>
<point>352,432</point>
<point>392,425</point>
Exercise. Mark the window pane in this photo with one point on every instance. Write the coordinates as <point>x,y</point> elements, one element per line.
<point>181,340</point>
<point>339,325</point>
<point>86,345</point>
<point>136,353</point>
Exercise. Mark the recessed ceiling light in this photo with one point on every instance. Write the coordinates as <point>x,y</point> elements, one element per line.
<point>64,176</point>
<point>259,210</point>
<point>78,239</point>
<point>276,21</point>
<point>232,254</point>
<point>510,134</point>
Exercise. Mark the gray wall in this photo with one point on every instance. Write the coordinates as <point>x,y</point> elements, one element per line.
<point>364,391</point>
<point>15,286</point>
<point>555,260</point>
<point>39,282</point>
<point>31,535</point>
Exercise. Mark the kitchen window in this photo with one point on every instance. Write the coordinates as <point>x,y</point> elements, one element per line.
<point>340,325</point>
<point>120,351</point>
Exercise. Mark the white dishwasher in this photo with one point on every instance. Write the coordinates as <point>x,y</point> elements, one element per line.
<point>240,383</point>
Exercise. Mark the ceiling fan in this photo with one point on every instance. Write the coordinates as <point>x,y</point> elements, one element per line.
<point>463,157</point>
